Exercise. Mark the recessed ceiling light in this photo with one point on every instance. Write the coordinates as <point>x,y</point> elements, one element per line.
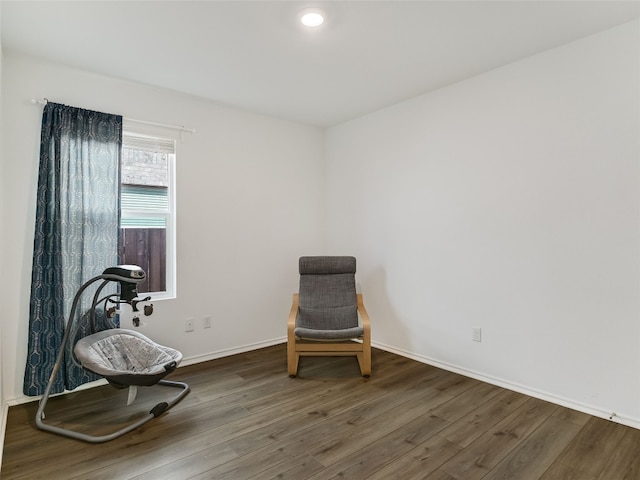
<point>311,17</point>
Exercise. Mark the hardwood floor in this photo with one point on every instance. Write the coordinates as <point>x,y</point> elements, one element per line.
<point>246,419</point>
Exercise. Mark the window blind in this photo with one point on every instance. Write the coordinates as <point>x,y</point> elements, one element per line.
<point>148,144</point>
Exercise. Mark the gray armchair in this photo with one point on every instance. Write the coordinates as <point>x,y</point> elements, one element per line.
<point>324,317</point>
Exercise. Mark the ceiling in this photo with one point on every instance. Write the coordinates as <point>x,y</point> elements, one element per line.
<point>255,56</point>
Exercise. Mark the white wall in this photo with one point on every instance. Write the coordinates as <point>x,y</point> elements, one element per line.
<point>508,202</point>
<point>250,200</point>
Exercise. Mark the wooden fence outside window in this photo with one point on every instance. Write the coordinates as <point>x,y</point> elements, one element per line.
<point>147,248</point>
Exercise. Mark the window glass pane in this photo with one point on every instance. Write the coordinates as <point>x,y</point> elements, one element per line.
<point>140,167</point>
<point>146,211</point>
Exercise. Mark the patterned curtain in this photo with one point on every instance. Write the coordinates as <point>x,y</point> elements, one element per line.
<point>76,232</point>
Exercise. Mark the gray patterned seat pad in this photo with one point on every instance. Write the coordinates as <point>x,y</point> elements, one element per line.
<point>119,351</point>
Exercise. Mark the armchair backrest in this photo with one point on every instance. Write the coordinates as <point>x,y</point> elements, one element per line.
<point>327,295</point>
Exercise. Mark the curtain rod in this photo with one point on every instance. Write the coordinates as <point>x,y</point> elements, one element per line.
<point>181,128</point>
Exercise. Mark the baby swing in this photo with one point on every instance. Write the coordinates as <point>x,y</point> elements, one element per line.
<point>125,358</point>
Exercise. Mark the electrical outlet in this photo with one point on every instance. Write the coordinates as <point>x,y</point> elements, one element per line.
<point>206,321</point>
<point>188,326</point>
<point>476,334</point>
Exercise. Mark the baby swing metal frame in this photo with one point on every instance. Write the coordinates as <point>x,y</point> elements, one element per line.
<point>128,276</point>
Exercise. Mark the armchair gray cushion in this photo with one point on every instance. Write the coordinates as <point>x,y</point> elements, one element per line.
<point>327,299</point>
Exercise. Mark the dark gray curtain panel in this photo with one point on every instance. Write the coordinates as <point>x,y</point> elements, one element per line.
<point>76,232</point>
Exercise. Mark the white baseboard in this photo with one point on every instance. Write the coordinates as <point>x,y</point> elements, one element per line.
<point>231,351</point>
<point>25,399</point>
<point>558,400</point>
<point>546,396</point>
<point>185,362</point>
<point>565,402</point>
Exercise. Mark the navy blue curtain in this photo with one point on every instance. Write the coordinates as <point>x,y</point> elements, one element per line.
<point>76,232</point>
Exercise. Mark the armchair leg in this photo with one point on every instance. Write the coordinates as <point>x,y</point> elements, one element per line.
<point>364,361</point>
<point>293,359</point>
<point>364,358</point>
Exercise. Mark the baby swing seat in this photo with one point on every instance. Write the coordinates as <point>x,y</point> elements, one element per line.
<point>126,357</point>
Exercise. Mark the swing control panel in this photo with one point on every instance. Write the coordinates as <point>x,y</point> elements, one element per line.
<point>125,273</point>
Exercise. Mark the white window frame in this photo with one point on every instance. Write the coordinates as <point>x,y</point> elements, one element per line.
<point>169,214</point>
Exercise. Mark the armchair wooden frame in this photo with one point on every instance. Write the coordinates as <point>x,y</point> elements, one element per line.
<point>297,347</point>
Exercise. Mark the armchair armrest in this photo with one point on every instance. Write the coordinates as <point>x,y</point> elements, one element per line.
<point>293,313</point>
<point>364,316</point>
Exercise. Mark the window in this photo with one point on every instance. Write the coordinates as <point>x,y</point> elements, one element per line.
<point>147,233</point>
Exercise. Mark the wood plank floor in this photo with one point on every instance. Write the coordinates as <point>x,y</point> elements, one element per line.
<point>246,419</point>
